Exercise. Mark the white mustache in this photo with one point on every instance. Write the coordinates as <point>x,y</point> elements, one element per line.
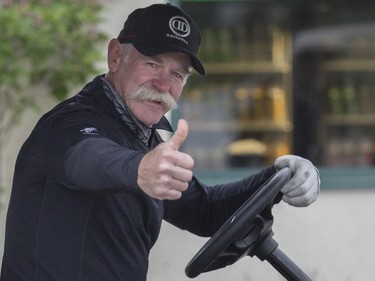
<point>143,93</point>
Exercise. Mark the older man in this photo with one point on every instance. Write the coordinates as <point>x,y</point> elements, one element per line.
<point>94,180</point>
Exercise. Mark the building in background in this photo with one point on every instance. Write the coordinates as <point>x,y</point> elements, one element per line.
<point>284,77</point>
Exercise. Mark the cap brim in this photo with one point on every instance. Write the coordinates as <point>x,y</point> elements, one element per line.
<point>152,49</point>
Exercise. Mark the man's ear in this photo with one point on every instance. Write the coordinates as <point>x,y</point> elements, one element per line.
<point>114,55</point>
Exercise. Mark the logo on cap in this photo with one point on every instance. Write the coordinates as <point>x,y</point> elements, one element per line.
<point>179,26</point>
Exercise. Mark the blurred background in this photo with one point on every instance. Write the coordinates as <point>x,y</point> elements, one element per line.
<point>283,77</point>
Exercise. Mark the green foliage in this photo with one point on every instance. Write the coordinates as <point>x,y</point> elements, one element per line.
<point>50,44</point>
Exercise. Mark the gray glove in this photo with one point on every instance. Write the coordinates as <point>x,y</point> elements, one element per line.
<point>304,186</point>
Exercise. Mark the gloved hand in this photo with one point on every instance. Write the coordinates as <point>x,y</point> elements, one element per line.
<point>304,186</point>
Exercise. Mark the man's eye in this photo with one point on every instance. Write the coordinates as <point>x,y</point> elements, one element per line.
<point>177,75</point>
<point>152,64</point>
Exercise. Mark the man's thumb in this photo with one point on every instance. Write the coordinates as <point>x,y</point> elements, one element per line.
<point>180,135</point>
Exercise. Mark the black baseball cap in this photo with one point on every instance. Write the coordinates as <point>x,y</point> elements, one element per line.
<point>163,28</point>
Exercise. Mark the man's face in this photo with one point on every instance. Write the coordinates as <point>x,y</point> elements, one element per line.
<point>150,86</point>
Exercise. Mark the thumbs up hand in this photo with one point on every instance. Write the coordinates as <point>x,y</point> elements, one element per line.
<point>164,172</point>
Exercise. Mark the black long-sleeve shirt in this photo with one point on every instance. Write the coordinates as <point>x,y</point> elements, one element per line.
<point>76,212</point>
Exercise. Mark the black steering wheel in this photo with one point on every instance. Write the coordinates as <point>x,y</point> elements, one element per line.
<point>248,232</point>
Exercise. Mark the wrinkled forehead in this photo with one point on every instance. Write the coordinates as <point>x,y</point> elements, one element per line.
<point>175,60</point>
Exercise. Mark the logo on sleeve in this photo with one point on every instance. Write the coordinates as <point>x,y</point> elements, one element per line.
<point>90,131</point>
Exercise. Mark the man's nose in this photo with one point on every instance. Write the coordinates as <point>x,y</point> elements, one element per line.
<point>161,82</point>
